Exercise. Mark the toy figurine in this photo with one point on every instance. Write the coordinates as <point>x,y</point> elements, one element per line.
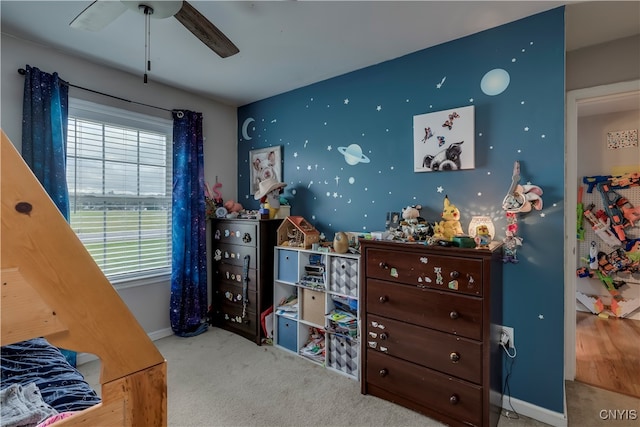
<point>511,243</point>
<point>269,195</point>
<point>450,224</point>
<point>483,238</point>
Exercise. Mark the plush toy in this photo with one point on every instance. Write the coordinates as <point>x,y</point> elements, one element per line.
<point>450,224</point>
<point>411,213</point>
<point>233,208</point>
<point>414,227</point>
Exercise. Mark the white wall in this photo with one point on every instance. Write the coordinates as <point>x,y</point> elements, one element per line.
<point>149,303</point>
<point>605,63</point>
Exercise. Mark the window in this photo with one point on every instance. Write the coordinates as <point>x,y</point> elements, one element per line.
<point>119,177</point>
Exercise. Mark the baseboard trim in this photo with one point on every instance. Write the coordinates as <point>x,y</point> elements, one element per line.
<point>162,333</point>
<point>83,358</point>
<point>532,411</point>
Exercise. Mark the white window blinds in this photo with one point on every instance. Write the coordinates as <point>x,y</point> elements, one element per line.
<point>119,177</point>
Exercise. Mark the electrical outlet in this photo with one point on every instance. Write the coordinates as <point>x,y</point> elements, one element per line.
<point>506,336</point>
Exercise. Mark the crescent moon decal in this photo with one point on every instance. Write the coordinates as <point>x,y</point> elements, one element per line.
<point>245,125</point>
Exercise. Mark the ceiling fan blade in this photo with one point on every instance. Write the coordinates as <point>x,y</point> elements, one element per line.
<point>204,30</point>
<point>98,15</point>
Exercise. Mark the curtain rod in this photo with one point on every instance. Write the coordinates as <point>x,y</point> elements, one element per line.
<point>22,71</point>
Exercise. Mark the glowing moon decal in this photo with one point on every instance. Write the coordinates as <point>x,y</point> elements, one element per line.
<point>495,82</point>
<point>245,126</point>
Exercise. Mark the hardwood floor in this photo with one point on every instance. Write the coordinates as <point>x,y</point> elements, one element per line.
<point>608,353</point>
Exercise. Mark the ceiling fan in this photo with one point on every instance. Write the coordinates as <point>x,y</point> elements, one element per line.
<point>102,12</point>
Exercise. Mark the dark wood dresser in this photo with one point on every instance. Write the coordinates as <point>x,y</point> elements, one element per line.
<point>427,340</point>
<point>242,264</point>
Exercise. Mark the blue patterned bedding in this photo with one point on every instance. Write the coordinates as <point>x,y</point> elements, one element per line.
<point>61,385</point>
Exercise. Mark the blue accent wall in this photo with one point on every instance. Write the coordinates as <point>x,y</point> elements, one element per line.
<point>348,158</point>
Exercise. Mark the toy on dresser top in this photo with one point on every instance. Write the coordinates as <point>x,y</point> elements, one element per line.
<point>216,207</point>
<point>450,224</point>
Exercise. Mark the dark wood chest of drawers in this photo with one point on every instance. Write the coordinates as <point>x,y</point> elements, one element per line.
<point>428,342</point>
<point>242,282</point>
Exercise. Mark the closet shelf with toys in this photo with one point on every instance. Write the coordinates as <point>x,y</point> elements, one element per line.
<point>608,233</point>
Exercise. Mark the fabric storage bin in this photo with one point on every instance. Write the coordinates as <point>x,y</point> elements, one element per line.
<point>288,333</point>
<point>344,276</point>
<point>313,306</point>
<point>342,354</point>
<point>288,266</point>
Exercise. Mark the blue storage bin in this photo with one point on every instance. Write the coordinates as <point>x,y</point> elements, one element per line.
<point>288,333</point>
<point>288,266</point>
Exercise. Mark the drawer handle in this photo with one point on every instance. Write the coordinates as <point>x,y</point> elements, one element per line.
<point>383,299</point>
<point>454,399</point>
<point>454,315</point>
<point>384,265</point>
<point>383,336</point>
<point>383,372</point>
<point>455,357</point>
<point>454,274</point>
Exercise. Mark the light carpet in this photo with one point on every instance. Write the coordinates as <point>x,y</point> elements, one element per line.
<point>221,379</point>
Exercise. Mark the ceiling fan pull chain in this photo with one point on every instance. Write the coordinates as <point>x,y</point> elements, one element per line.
<point>148,11</point>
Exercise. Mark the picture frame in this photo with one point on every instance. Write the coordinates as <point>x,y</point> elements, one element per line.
<point>444,140</point>
<point>264,163</point>
<point>393,221</point>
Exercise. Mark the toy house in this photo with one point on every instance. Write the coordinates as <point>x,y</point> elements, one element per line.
<point>296,231</point>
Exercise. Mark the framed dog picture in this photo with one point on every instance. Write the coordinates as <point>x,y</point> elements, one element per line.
<point>265,163</point>
<point>444,140</point>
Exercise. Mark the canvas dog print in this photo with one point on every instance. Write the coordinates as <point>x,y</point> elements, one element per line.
<point>444,140</point>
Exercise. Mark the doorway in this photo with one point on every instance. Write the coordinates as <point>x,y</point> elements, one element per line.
<point>607,98</point>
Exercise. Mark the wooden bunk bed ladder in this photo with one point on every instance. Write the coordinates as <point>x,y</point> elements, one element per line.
<point>52,287</point>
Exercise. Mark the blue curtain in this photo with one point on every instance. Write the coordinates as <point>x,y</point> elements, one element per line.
<point>189,267</point>
<point>44,139</point>
<point>44,132</point>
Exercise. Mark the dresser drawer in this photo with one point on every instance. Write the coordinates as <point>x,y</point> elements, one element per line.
<point>443,352</point>
<point>455,398</point>
<point>457,314</point>
<point>234,254</point>
<point>231,293</point>
<point>455,274</point>
<point>229,316</point>
<point>233,274</point>
<point>236,233</point>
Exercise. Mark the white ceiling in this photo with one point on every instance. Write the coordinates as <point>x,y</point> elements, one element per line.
<point>289,44</point>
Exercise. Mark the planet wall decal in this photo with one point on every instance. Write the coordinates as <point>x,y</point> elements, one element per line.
<point>353,154</point>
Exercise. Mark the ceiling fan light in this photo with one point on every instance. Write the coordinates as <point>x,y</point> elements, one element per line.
<point>161,9</point>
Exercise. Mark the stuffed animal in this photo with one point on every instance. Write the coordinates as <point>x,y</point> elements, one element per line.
<point>413,225</point>
<point>233,208</point>
<point>450,224</point>
<point>411,213</point>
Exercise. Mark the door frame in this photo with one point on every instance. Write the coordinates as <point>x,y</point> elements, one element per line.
<point>573,100</point>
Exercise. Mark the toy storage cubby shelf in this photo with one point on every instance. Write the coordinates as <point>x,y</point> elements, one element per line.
<point>322,289</point>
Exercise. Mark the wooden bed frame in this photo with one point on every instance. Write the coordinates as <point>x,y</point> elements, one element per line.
<point>51,287</point>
